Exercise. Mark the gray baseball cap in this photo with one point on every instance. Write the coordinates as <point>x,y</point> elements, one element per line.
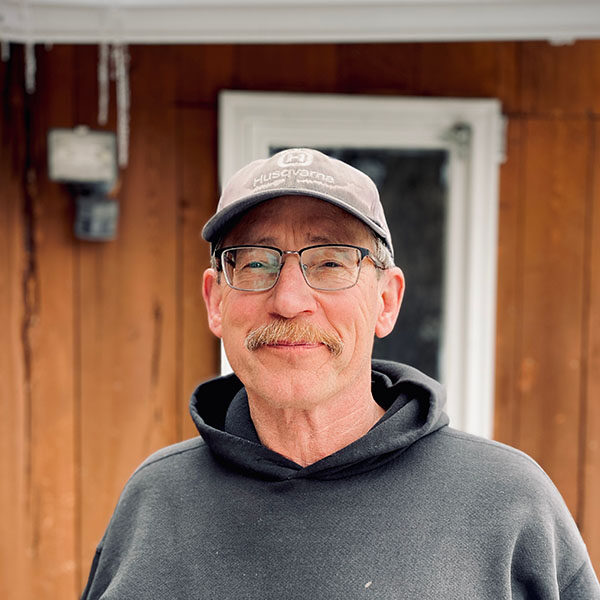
<point>300,172</point>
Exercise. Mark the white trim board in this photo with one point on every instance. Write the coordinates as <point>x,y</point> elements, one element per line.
<point>281,21</point>
<point>252,122</point>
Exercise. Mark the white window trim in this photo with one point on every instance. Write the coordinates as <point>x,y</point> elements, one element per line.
<point>251,122</point>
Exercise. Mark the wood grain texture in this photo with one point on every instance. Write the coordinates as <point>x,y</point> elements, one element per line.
<point>377,68</point>
<point>202,72</point>
<point>128,309</point>
<point>559,80</point>
<point>198,194</point>
<point>589,514</point>
<point>555,168</point>
<point>48,340</point>
<point>15,571</point>
<point>470,70</point>
<point>289,68</point>
<point>509,292</point>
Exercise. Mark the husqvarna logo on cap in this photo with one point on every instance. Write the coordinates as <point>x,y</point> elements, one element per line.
<point>301,172</point>
<point>295,158</point>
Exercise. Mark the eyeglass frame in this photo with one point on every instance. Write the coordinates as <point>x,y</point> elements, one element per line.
<point>364,253</point>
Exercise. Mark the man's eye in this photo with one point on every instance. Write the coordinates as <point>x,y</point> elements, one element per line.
<point>255,264</point>
<point>327,265</point>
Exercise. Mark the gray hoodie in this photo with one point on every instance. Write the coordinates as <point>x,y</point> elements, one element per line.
<point>412,510</point>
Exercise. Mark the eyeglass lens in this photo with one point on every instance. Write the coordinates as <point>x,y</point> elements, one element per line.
<point>324,268</point>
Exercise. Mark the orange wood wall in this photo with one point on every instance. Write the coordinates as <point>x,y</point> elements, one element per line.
<point>103,343</point>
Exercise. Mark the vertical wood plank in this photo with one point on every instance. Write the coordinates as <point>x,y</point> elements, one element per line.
<point>127,307</point>
<point>377,68</point>
<point>508,315</point>
<point>198,199</point>
<point>590,513</point>
<point>555,160</point>
<point>86,111</point>
<point>469,69</point>
<point>289,68</point>
<point>14,572</point>
<point>560,79</point>
<point>54,494</point>
<point>202,72</point>
<point>47,343</point>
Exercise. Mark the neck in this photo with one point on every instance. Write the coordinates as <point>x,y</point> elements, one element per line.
<point>306,435</point>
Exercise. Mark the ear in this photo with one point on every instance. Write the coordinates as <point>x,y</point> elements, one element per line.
<point>212,292</point>
<point>392,292</point>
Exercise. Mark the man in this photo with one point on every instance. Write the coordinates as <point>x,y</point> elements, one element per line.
<point>320,473</point>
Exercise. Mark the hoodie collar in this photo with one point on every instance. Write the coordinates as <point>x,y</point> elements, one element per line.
<point>413,402</point>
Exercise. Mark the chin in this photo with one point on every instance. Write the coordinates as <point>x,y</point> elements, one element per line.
<point>291,388</point>
<point>299,378</point>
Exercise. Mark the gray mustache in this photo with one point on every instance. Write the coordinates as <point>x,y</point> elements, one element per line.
<point>283,330</point>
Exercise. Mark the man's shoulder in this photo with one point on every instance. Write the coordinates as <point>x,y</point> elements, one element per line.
<point>485,449</point>
<point>171,459</point>
<point>163,477</point>
<point>493,463</point>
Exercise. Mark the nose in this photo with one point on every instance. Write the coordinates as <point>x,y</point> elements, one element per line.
<point>291,295</point>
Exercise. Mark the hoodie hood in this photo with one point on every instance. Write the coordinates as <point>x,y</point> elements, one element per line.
<point>413,402</point>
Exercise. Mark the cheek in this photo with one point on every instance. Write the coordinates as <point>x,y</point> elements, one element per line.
<point>237,322</point>
<point>240,314</point>
<point>354,319</point>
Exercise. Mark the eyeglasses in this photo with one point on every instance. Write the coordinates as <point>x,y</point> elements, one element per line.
<point>325,267</point>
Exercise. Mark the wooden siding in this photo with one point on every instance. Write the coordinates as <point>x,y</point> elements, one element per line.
<point>103,343</point>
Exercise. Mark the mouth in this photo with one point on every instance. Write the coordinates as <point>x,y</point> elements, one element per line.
<point>286,344</point>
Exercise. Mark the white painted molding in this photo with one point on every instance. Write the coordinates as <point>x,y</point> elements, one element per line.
<point>252,122</point>
<point>240,21</point>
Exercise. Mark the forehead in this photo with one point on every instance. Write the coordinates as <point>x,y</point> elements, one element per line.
<point>307,219</point>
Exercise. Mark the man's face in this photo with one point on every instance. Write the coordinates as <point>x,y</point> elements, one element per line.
<point>302,375</point>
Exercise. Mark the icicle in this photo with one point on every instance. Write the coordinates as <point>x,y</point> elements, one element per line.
<point>30,67</point>
<point>121,63</point>
<point>113,65</point>
<point>5,49</point>
<point>103,89</point>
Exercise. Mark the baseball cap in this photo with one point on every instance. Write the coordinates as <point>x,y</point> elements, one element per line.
<point>301,172</point>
